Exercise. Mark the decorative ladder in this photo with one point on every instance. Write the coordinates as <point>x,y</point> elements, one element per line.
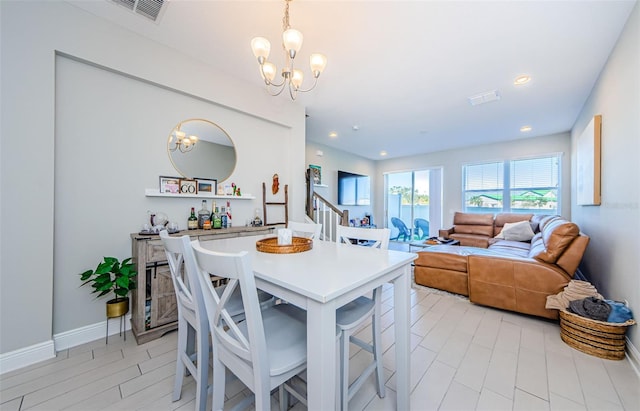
<point>266,203</point>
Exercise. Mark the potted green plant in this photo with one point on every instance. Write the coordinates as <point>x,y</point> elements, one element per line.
<point>111,275</point>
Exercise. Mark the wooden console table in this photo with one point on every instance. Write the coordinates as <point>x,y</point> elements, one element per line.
<point>154,310</point>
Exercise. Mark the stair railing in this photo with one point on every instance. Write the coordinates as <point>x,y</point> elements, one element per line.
<point>320,210</point>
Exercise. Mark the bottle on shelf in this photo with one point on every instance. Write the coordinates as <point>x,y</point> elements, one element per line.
<point>257,221</point>
<point>192,222</point>
<point>228,214</point>
<point>217,222</point>
<point>203,215</point>
<point>213,212</point>
<point>223,217</point>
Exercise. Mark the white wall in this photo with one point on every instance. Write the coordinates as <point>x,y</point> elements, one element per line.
<point>612,261</point>
<point>452,161</point>
<point>333,160</point>
<point>98,203</point>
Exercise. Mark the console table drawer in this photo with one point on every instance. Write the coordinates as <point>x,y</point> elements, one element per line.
<point>155,251</point>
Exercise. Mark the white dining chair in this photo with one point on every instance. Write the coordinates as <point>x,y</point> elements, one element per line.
<point>351,316</point>
<point>308,230</point>
<point>193,324</point>
<point>192,318</point>
<point>265,350</point>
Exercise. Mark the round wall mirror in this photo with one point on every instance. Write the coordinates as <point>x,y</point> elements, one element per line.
<point>199,148</point>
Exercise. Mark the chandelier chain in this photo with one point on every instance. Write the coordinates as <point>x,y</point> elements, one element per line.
<point>285,19</point>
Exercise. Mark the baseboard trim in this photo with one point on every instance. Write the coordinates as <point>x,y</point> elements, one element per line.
<point>39,352</point>
<point>88,333</point>
<point>634,356</point>
<point>26,356</point>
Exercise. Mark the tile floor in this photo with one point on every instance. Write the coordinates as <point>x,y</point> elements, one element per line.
<point>464,357</point>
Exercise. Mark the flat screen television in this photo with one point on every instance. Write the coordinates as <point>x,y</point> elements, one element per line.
<point>353,189</point>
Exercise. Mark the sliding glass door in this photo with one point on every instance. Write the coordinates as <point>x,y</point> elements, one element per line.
<point>413,204</point>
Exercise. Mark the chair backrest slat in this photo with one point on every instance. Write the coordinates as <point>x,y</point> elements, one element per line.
<point>180,260</point>
<point>236,267</point>
<point>380,236</point>
<point>308,230</point>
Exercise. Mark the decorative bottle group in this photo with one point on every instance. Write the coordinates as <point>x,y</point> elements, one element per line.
<point>206,220</point>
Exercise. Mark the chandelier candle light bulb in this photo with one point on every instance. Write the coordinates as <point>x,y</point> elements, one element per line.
<point>292,41</point>
<point>182,142</point>
<point>291,78</point>
<point>261,48</point>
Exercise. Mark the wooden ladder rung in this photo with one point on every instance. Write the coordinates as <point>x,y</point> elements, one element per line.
<point>284,204</point>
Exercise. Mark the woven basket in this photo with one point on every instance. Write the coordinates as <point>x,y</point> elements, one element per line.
<point>597,338</point>
<point>270,245</point>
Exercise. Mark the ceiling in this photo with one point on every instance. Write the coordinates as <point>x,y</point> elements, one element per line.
<point>401,72</point>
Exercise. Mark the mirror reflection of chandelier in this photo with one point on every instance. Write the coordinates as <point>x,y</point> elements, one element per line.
<point>180,141</point>
<point>291,77</point>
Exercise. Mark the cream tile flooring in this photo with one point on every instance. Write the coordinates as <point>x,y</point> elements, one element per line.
<point>464,357</point>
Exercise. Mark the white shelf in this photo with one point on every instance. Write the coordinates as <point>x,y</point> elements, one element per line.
<point>320,185</point>
<point>154,192</point>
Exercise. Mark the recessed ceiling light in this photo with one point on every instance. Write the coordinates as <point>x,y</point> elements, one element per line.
<point>526,129</point>
<point>333,134</point>
<point>522,79</point>
<point>383,153</point>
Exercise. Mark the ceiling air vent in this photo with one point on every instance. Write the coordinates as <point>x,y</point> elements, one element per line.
<point>482,98</point>
<point>147,8</point>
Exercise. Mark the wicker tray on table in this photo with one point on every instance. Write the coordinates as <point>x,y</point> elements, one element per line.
<point>597,338</point>
<point>270,245</point>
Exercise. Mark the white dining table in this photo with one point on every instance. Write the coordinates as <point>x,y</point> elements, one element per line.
<point>320,281</point>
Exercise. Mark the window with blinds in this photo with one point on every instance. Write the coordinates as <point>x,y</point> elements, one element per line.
<point>530,185</point>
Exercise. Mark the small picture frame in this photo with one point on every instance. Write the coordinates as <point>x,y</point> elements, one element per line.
<point>316,174</point>
<point>188,186</point>
<point>206,186</point>
<point>170,184</point>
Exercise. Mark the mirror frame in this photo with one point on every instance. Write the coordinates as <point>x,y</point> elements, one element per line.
<point>185,175</point>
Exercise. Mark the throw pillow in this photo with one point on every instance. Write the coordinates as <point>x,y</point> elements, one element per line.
<point>520,231</point>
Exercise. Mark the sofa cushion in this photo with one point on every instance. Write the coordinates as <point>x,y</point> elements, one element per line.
<point>545,219</point>
<point>472,219</point>
<point>510,248</point>
<point>467,223</point>
<point>504,218</point>
<point>557,235</point>
<point>520,231</point>
<point>471,240</point>
<point>536,221</point>
<point>444,256</point>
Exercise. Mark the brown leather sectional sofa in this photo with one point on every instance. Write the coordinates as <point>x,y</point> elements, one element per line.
<point>510,275</point>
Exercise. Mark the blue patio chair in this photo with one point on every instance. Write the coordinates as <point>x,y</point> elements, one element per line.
<point>402,228</point>
<point>422,228</point>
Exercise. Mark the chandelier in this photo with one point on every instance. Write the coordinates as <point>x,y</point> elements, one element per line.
<point>291,77</point>
<point>180,141</point>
